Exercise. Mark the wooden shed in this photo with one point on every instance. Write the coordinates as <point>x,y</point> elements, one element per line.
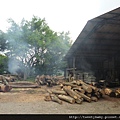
<point>97,48</point>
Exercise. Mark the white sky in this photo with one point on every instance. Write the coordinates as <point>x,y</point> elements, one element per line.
<point>61,15</point>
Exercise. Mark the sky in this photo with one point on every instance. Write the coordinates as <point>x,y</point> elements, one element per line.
<point>60,15</point>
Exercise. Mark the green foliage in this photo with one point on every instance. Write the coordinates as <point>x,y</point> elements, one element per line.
<point>3,63</point>
<point>36,49</point>
<point>3,42</point>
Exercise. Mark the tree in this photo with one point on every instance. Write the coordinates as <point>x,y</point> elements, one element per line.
<point>35,48</point>
<point>58,50</point>
<point>3,41</point>
<point>18,49</point>
<point>40,38</point>
<point>3,64</point>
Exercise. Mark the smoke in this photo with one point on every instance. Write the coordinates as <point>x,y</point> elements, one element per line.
<point>18,55</point>
<point>13,65</point>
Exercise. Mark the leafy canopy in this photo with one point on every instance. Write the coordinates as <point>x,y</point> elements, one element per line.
<point>34,48</point>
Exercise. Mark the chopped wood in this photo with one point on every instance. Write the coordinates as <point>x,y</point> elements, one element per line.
<point>88,94</point>
<point>59,92</point>
<point>49,91</point>
<point>93,87</point>
<point>97,94</point>
<point>107,91</point>
<point>112,94</point>
<point>79,101</point>
<point>73,82</point>
<point>118,90</point>
<point>84,96</point>
<point>102,92</point>
<point>83,83</point>
<point>87,88</point>
<point>79,89</point>
<point>5,88</point>
<point>70,92</point>
<point>67,98</point>
<point>56,99</point>
<point>79,82</point>
<point>48,80</point>
<point>78,92</point>
<point>117,95</point>
<point>61,85</point>
<point>69,84</point>
<point>78,96</point>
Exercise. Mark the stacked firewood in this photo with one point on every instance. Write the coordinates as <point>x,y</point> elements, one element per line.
<point>47,80</point>
<point>4,85</point>
<point>9,78</point>
<point>112,92</point>
<point>75,92</point>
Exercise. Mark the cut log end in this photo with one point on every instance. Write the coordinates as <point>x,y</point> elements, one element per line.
<point>5,88</point>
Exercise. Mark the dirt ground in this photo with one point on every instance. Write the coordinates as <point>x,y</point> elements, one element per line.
<point>31,101</point>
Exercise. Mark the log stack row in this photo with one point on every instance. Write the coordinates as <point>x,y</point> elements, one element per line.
<point>112,92</point>
<point>48,80</point>
<point>5,88</point>
<point>4,85</point>
<point>75,92</point>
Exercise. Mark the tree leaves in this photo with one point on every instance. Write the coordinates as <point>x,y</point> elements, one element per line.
<point>36,47</point>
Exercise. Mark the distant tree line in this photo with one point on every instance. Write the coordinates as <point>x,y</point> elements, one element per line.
<point>32,48</point>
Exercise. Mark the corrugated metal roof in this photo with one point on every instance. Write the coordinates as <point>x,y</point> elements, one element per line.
<point>99,39</point>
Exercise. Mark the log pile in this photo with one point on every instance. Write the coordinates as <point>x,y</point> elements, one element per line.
<point>75,92</point>
<point>48,80</point>
<point>112,92</point>
<point>4,85</point>
<point>5,88</point>
<point>9,77</point>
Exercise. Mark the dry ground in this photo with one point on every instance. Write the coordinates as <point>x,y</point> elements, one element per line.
<point>31,101</point>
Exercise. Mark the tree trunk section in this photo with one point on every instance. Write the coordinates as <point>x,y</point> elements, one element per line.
<point>97,94</point>
<point>101,91</point>
<point>67,98</point>
<point>70,92</point>
<point>69,84</point>
<point>80,82</point>
<point>79,89</point>
<point>79,101</point>
<point>107,91</point>
<point>59,92</point>
<point>88,94</point>
<point>5,88</point>
<point>117,91</point>
<point>87,88</point>
<point>47,98</point>
<point>56,99</point>
<point>85,97</point>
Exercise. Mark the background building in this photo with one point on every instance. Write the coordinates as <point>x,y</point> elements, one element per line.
<point>96,50</point>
